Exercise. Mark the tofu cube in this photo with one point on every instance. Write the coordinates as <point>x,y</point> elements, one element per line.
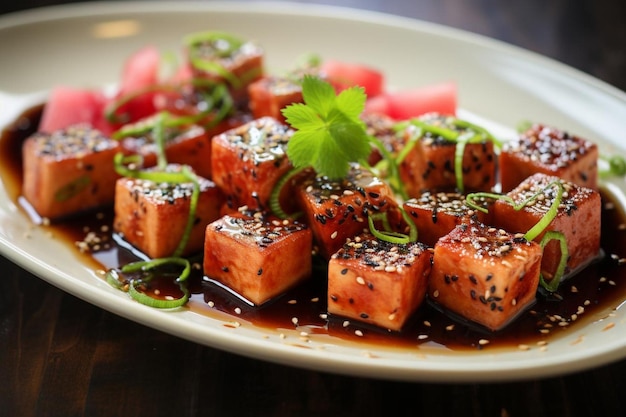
<point>485,275</point>
<point>187,146</point>
<point>152,216</point>
<point>269,95</point>
<point>578,218</point>
<point>436,214</point>
<point>338,210</point>
<point>248,161</point>
<point>255,257</point>
<point>552,152</point>
<point>227,60</point>
<point>378,282</point>
<point>429,166</point>
<point>69,171</point>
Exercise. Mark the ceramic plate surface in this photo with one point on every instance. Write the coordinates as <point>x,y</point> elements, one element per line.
<point>84,46</point>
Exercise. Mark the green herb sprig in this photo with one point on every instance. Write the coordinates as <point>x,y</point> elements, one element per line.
<point>329,131</point>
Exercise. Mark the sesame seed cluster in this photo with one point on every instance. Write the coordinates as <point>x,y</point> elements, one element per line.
<point>258,229</point>
<point>548,146</point>
<point>72,142</point>
<point>380,255</point>
<point>264,140</point>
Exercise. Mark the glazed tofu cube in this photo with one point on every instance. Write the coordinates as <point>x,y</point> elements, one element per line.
<point>552,152</point>
<point>152,216</point>
<point>381,127</point>
<point>338,210</point>
<point>248,161</point>
<point>429,166</point>
<point>485,275</point>
<point>257,258</point>
<point>436,214</point>
<point>224,59</point>
<point>269,95</point>
<point>69,171</point>
<point>378,282</point>
<point>185,146</point>
<point>578,218</point>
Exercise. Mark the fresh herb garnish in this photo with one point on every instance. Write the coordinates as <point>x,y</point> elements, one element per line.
<point>330,134</point>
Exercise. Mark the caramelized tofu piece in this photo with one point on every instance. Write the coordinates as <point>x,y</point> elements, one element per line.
<point>225,59</point>
<point>269,95</point>
<point>257,258</point>
<point>248,161</point>
<point>378,282</point>
<point>69,171</point>
<point>152,216</point>
<point>381,127</point>
<point>338,210</point>
<point>578,218</point>
<point>429,166</point>
<point>484,275</point>
<point>552,152</point>
<point>436,214</point>
<point>188,146</point>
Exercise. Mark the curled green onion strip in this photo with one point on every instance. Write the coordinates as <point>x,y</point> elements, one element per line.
<point>388,235</point>
<point>392,166</point>
<point>539,227</point>
<point>554,283</point>
<point>218,103</point>
<point>274,201</point>
<point>545,221</point>
<point>143,267</point>
<point>617,166</point>
<point>472,134</point>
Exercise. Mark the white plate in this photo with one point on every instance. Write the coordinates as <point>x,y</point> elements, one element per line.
<point>67,45</point>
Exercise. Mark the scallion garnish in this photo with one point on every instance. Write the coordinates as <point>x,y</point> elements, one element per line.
<point>616,166</point>
<point>540,226</point>
<point>387,234</point>
<point>274,201</point>
<point>213,44</point>
<point>464,132</point>
<point>554,283</point>
<point>145,270</point>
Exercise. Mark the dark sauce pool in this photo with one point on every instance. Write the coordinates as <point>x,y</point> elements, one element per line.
<point>595,291</point>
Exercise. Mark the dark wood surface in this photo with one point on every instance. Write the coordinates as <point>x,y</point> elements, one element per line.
<point>60,356</point>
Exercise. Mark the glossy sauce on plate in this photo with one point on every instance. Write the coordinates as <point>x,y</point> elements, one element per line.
<point>592,294</point>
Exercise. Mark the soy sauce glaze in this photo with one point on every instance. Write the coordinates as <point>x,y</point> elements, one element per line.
<point>592,294</point>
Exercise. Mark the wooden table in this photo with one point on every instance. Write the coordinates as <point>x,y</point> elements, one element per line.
<point>60,356</point>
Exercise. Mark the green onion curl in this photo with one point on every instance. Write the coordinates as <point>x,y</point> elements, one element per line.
<point>145,268</point>
<point>274,201</point>
<point>554,283</point>
<point>388,235</point>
